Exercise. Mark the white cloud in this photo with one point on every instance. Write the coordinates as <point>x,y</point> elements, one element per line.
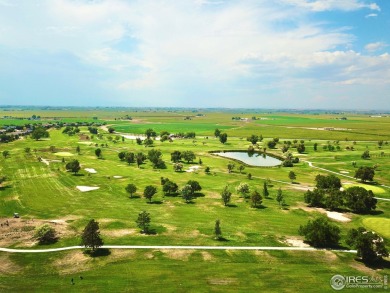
<point>371,15</point>
<point>327,5</point>
<point>372,47</point>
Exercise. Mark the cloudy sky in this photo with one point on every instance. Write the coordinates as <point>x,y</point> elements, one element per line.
<point>196,53</point>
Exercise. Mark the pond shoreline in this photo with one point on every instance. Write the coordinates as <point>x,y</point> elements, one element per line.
<point>257,153</point>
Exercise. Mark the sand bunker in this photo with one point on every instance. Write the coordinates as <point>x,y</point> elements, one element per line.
<point>337,216</point>
<point>193,168</point>
<point>117,177</point>
<point>296,242</point>
<point>47,162</point>
<point>64,154</point>
<point>90,170</point>
<point>86,188</point>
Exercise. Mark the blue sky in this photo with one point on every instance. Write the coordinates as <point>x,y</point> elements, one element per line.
<point>329,54</point>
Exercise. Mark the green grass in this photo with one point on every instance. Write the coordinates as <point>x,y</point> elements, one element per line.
<point>38,191</point>
<point>379,225</point>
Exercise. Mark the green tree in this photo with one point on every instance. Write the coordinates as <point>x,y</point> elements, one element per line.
<point>223,138</point>
<point>217,132</point>
<point>149,192</point>
<point>140,158</point>
<point>241,168</point>
<point>148,142</point>
<point>176,156</point>
<point>131,189</point>
<point>150,133</point>
<point>243,189</point>
<point>292,176</point>
<point>45,234</point>
<point>256,199</point>
<point>328,182</point>
<point>91,235</point>
<point>230,167</point>
<point>217,230</point>
<point>315,146</point>
<point>187,193</point>
<point>253,139</point>
<point>98,153</point>
<point>143,222</point>
<point>280,197</point>
<point>169,187</point>
<point>320,232</point>
<point>366,155</point>
<point>73,166</point>
<point>226,195</point>
<point>369,245</point>
<point>265,190</point>
<point>194,185</point>
<point>111,129</point>
<point>271,144</point>
<point>27,150</point>
<point>178,167</point>
<point>5,154</point>
<point>122,155</point>
<point>315,198</point>
<point>365,173</point>
<point>360,200</point>
<point>39,133</point>
<point>301,148</point>
<point>78,150</point>
<point>129,158</point>
<point>188,156</point>
<point>154,156</point>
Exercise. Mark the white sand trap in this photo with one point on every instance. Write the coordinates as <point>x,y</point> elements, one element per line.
<point>337,216</point>
<point>90,170</point>
<point>64,154</point>
<point>86,188</point>
<point>193,168</point>
<point>296,242</point>
<point>45,161</point>
<point>117,177</point>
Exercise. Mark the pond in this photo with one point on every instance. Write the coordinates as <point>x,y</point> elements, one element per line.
<point>256,159</point>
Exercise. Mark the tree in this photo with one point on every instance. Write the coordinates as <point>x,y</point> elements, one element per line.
<point>243,189</point>
<point>98,153</point>
<point>73,166</point>
<point>150,133</point>
<point>280,197</point>
<point>187,193</point>
<point>27,150</point>
<point>143,222</point>
<point>217,132</point>
<point>138,141</point>
<point>230,167</point>
<point>253,139</point>
<point>188,156</point>
<point>111,129</point>
<point>301,148</point>
<point>45,234</point>
<point>176,156</point>
<point>223,138</point>
<point>5,154</point>
<point>256,198</point>
<point>365,173</point>
<point>39,133</point>
<point>91,235</point>
<point>366,155</point>
<point>155,157</point>
<point>169,187</point>
<point>265,190</point>
<point>241,168</point>
<point>129,158</point>
<point>122,155</point>
<point>334,199</point>
<point>226,195</point>
<point>320,232</point>
<point>360,200</point>
<point>369,245</point>
<point>315,146</point>
<point>149,192</point>
<point>271,144</point>
<point>148,142</point>
<point>194,185</point>
<point>217,230</point>
<point>140,158</point>
<point>292,176</point>
<point>314,198</point>
<point>78,150</point>
<point>328,182</point>
<point>131,189</point>
<point>178,167</point>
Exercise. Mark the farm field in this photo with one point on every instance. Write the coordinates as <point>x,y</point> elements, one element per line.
<point>41,190</point>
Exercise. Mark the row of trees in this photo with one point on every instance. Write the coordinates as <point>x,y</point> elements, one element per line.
<point>320,232</point>
<point>328,194</point>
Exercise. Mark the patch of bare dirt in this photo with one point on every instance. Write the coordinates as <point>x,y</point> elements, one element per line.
<point>295,242</point>
<point>20,232</point>
<point>207,256</point>
<point>341,217</point>
<point>8,267</point>
<point>178,254</point>
<point>119,232</point>
<point>73,262</point>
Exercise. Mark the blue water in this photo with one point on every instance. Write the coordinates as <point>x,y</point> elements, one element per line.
<point>256,159</point>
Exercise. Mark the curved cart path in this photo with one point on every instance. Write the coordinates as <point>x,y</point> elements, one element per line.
<point>16,250</point>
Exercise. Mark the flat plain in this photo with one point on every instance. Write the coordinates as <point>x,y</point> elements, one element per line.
<point>42,191</point>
